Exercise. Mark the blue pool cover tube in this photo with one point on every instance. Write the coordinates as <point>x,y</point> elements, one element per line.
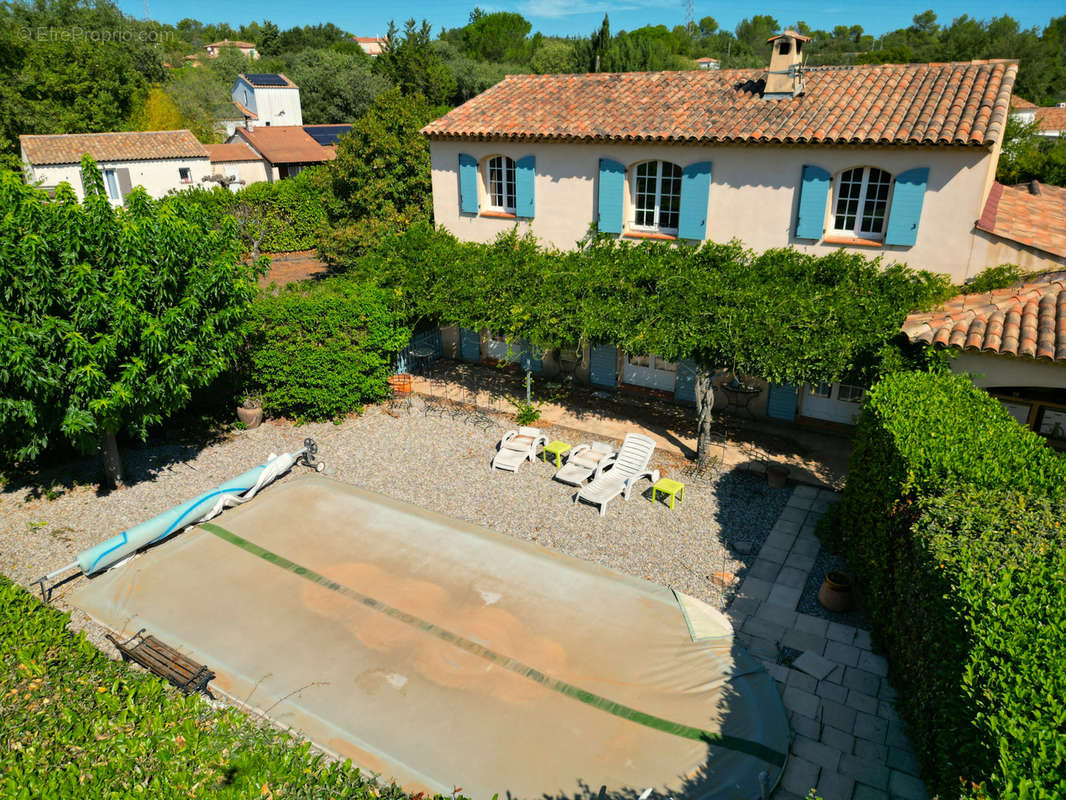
<point>199,509</point>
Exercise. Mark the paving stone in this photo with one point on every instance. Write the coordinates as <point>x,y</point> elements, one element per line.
<point>886,710</point>
<point>787,526</point>
<point>834,737</point>
<point>801,681</point>
<point>784,596</point>
<point>813,664</point>
<point>834,786</point>
<point>897,736</point>
<point>820,506</point>
<point>802,702</point>
<point>902,785</point>
<point>745,605</point>
<point>830,691</point>
<point>777,615</point>
<point>781,539</point>
<point>887,691</point>
<point>774,554</point>
<point>793,514</point>
<point>800,776</point>
<point>818,753</point>
<point>779,672</point>
<point>805,563</point>
<point>841,633</point>
<point>805,726</point>
<point>903,760</point>
<point>862,702</point>
<point>864,792</point>
<point>811,624</point>
<point>837,675</point>
<point>842,653</point>
<point>861,680</point>
<point>869,726</point>
<point>806,546</point>
<point>736,620</point>
<point>865,771</point>
<point>838,715</point>
<point>799,640</point>
<point>803,490</point>
<point>862,640</point>
<point>871,751</point>
<point>871,662</point>
<point>800,502</point>
<point>760,647</point>
<point>759,626</point>
<point>796,578</point>
<point>755,589</point>
<point>764,570</point>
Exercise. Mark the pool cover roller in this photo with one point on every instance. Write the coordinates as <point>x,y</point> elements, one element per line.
<point>199,509</point>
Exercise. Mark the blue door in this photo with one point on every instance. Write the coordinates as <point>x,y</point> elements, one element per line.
<point>603,365</point>
<point>781,402</point>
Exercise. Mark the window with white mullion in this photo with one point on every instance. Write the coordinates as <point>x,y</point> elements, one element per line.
<point>501,184</point>
<point>656,197</point>
<point>862,202</point>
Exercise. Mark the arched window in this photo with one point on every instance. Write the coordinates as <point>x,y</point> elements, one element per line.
<point>862,202</point>
<point>500,182</point>
<point>656,196</point>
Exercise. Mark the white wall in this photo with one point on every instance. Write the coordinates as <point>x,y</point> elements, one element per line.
<point>157,177</point>
<point>753,197</point>
<point>279,105</point>
<point>989,371</point>
<point>248,171</point>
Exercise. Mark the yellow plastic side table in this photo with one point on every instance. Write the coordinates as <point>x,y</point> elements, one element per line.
<point>557,449</point>
<point>669,488</point>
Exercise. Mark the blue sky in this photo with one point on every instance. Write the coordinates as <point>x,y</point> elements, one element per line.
<point>564,17</point>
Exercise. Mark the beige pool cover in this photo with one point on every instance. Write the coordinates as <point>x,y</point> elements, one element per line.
<point>444,655</point>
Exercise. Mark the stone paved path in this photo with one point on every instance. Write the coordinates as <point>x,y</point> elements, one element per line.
<point>847,740</point>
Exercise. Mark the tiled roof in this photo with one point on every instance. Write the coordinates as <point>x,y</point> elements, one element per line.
<point>1033,214</point>
<point>228,43</point>
<point>245,111</point>
<point>1021,102</point>
<point>233,151</point>
<point>68,148</point>
<point>1051,119</point>
<point>287,144</point>
<point>963,103</point>
<point>1027,320</point>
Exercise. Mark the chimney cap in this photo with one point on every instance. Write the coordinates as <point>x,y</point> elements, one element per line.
<point>789,34</point>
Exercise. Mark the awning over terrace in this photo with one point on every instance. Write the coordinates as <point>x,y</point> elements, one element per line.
<point>444,655</point>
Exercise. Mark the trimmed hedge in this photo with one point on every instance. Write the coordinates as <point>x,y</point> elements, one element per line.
<point>75,724</point>
<point>321,351</point>
<point>952,520</point>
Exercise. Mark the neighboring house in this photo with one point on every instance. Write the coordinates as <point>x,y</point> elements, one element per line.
<point>708,63</point>
<point>286,150</point>
<point>264,99</point>
<point>372,45</point>
<point>1050,121</point>
<point>160,161</point>
<point>1025,225</point>
<point>1013,343</point>
<point>248,48</point>
<point>886,160</point>
<point>235,165</point>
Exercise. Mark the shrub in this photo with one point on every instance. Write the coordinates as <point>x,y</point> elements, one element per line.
<point>999,277</point>
<point>949,517</point>
<point>320,352</point>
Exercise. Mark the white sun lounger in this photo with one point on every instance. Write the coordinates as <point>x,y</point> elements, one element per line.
<point>617,475</point>
<point>518,446</point>
<point>582,462</point>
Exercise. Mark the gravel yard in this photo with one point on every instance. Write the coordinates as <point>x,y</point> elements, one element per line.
<point>438,463</point>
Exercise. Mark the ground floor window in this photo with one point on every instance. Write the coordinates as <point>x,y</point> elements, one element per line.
<point>1039,409</point>
<point>651,371</point>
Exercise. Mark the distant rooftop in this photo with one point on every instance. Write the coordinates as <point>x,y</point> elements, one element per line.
<point>68,148</point>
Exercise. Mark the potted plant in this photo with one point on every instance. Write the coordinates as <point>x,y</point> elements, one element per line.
<point>777,475</point>
<point>250,411</point>
<point>836,594</point>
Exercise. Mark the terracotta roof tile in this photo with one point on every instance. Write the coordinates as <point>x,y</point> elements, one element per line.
<point>1032,219</point>
<point>68,148</point>
<point>228,153</point>
<point>1051,119</point>
<point>959,103</point>
<point>1027,320</point>
<point>286,144</point>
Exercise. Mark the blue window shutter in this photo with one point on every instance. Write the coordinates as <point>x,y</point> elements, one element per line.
<point>469,344</point>
<point>781,402</point>
<point>525,172</point>
<point>810,216</point>
<point>603,365</point>
<point>907,197</point>
<point>695,189</point>
<point>467,184</point>
<point>685,385</point>
<point>611,190</point>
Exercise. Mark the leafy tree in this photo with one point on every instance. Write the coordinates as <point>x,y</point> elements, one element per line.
<point>499,36</point>
<point>157,112</point>
<point>268,41</point>
<point>109,318</point>
<point>1027,155</point>
<point>554,56</point>
<point>334,86</point>
<point>411,63</point>
<point>380,178</point>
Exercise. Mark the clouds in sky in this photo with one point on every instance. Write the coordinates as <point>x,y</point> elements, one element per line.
<point>555,9</point>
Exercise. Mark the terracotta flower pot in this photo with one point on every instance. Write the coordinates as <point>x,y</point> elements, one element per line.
<point>777,476</point>
<point>836,593</point>
<point>400,383</point>
<point>251,417</point>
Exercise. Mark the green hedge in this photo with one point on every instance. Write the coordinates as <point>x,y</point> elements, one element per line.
<point>952,520</point>
<point>75,725</point>
<point>321,351</point>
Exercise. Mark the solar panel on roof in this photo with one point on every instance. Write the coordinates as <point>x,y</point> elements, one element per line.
<point>266,79</point>
<point>327,135</point>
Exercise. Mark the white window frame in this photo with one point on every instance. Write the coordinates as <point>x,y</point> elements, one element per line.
<point>656,226</point>
<point>114,193</point>
<point>856,230</point>
<point>509,192</point>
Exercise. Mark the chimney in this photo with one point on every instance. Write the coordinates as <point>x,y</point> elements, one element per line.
<point>784,78</point>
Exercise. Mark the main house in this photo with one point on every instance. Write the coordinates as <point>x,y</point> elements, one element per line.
<point>890,160</point>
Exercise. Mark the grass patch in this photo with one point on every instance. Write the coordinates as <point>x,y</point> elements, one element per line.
<point>74,724</point>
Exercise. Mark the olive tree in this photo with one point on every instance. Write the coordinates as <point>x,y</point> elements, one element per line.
<point>109,317</point>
